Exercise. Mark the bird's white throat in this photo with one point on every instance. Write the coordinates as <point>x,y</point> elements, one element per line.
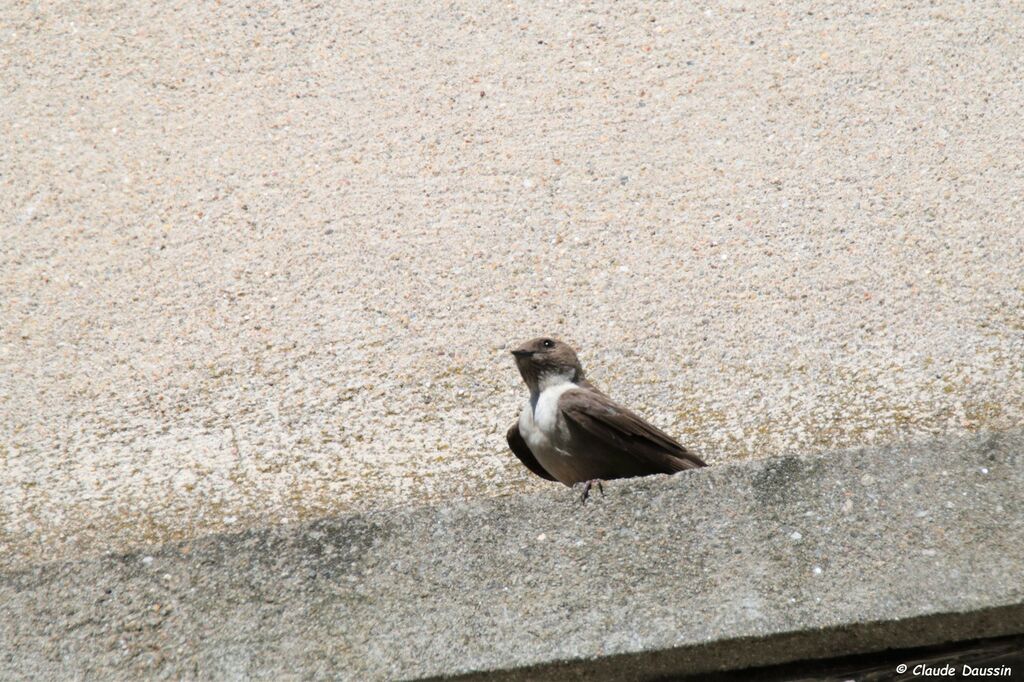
<point>545,405</point>
<point>556,379</point>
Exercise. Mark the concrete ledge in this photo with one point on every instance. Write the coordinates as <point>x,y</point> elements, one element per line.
<point>739,565</point>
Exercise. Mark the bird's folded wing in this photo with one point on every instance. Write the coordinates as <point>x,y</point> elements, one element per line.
<point>603,424</point>
<point>521,450</point>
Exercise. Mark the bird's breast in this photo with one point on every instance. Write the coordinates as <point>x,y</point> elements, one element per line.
<point>542,424</point>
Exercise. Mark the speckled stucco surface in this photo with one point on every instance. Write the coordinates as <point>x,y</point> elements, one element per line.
<point>744,564</point>
<point>261,263</point>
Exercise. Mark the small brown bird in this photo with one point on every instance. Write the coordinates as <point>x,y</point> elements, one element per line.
<point>572,433</point>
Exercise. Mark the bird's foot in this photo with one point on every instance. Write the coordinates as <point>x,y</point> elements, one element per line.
<point>586,489</point>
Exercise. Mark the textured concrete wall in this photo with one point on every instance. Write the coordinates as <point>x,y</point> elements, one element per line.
<point>260,264</point>
<point>737,565</point>
<point>261,261</point>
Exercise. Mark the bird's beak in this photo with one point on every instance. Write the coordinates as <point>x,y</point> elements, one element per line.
<point>522,353</point>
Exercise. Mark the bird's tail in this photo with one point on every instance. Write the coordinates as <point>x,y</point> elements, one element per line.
<point>687,460</point>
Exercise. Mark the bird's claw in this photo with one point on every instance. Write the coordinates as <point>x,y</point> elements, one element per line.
<point>586,489</point>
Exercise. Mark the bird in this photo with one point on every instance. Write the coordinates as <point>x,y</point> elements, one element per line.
<point>570,432</point>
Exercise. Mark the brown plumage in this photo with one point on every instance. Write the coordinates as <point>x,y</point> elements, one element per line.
<point>571,432</point>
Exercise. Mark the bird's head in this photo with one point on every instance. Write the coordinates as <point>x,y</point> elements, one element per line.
<point>546,360</point>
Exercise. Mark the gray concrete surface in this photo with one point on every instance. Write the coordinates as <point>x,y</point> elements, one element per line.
<point>261,262</point>
<point>742,564</point>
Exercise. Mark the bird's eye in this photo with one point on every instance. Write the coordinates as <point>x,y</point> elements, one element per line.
<point>548,343</point>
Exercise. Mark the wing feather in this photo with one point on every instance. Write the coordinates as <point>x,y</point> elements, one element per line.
<point>611,428</point>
